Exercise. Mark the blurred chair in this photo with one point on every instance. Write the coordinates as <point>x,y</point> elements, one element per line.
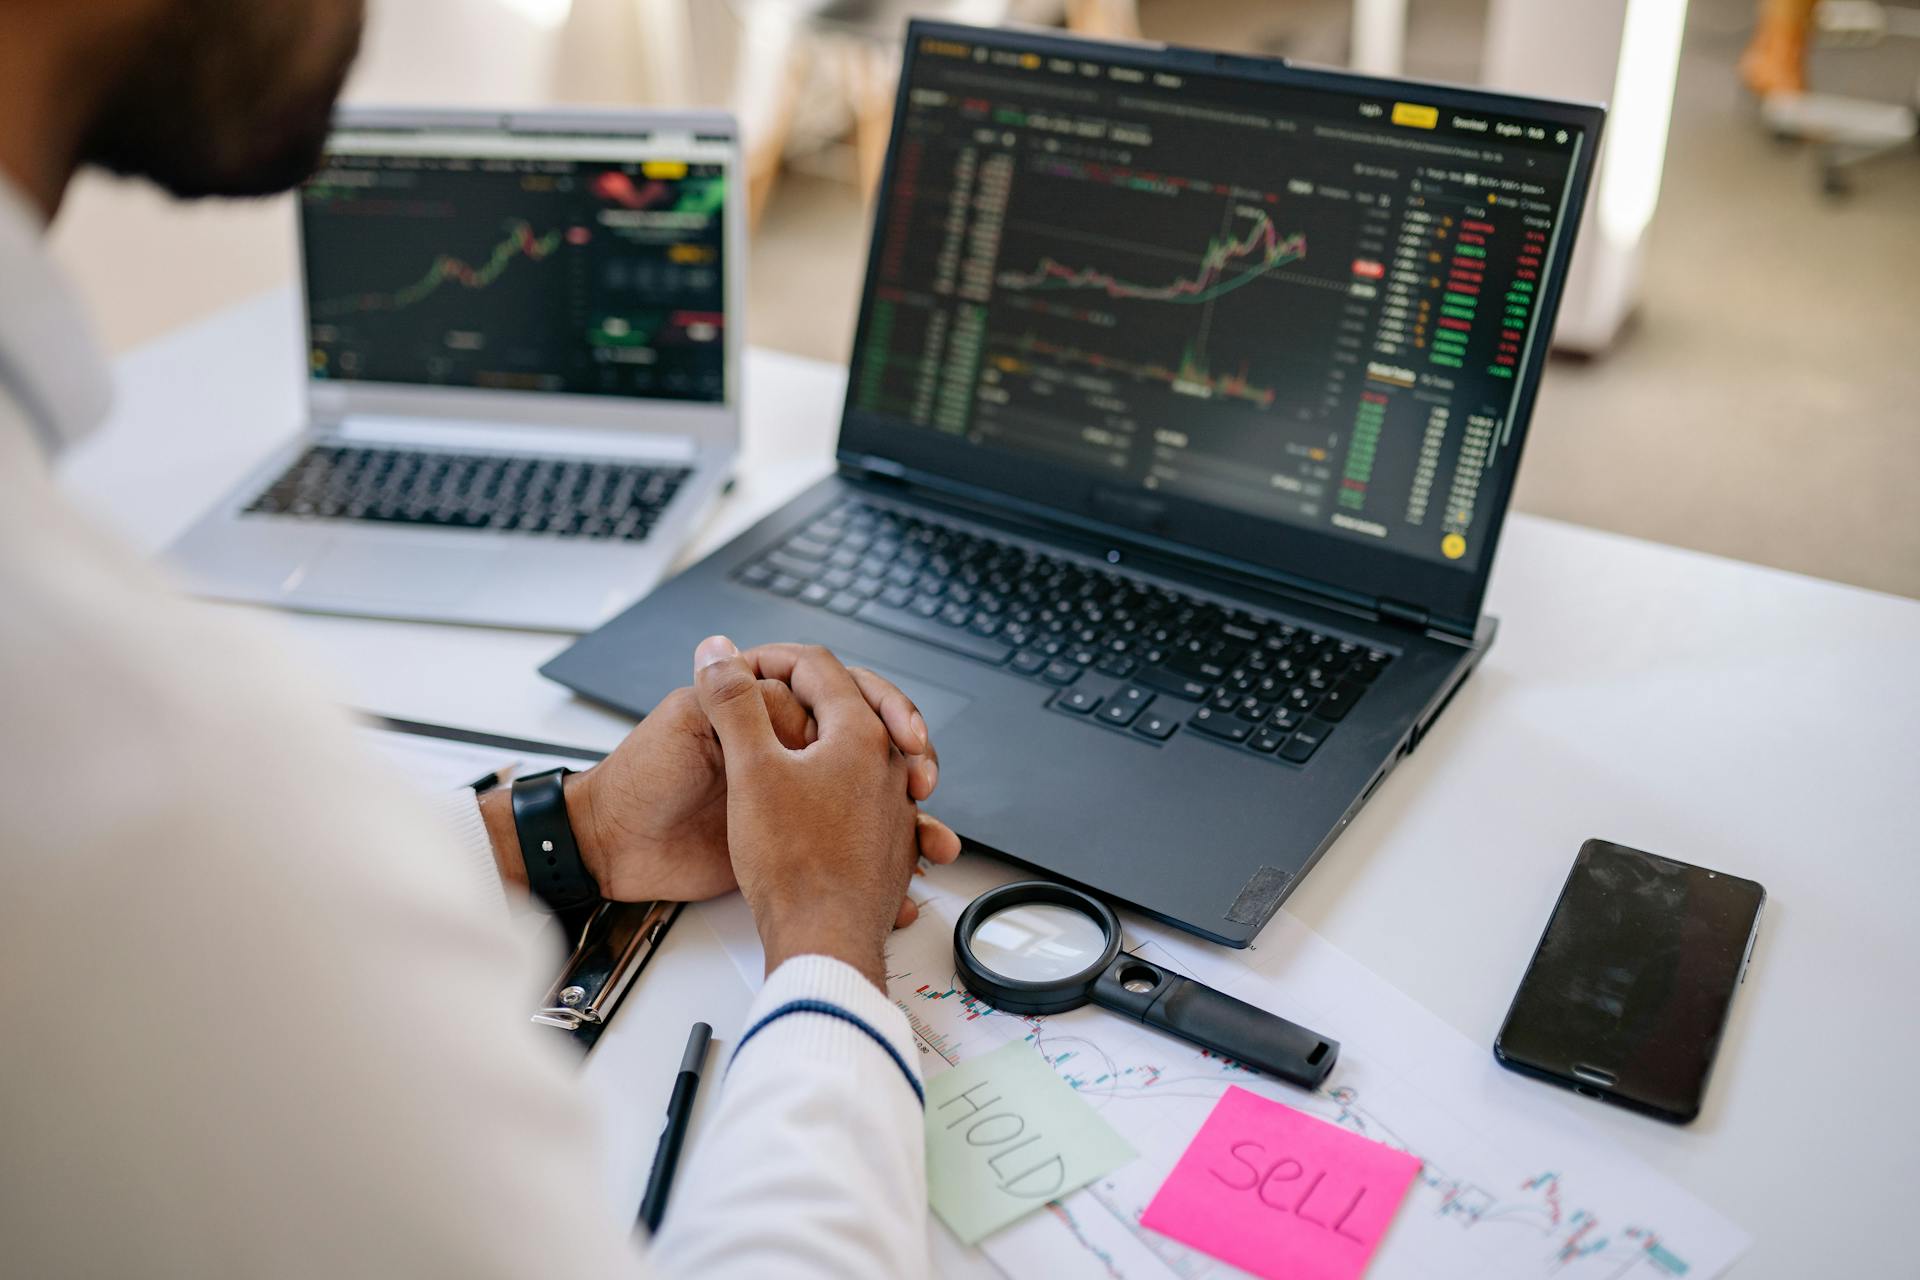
<point>1846,131</point>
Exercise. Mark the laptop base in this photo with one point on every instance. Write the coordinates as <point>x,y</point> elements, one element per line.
<point>1191,830</point>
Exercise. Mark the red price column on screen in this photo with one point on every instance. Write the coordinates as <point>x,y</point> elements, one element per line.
<point>1517,305</point>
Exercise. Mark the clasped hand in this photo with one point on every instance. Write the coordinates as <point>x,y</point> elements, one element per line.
<point>781,772</point>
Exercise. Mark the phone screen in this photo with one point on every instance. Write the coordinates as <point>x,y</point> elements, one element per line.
<point>1631,984</point>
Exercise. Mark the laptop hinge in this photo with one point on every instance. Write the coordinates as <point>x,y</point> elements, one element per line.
<point>1411,616</point>
<point>871,468</point>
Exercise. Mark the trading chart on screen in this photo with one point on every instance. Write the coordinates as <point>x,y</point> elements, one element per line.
<point>596,277</point>
<point>1305,305</point>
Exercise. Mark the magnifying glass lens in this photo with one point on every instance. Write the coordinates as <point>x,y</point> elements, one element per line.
<point>1034,948</point>
<point>1038,942</point>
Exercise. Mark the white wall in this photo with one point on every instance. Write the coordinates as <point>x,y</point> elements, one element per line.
<point>146,263</point>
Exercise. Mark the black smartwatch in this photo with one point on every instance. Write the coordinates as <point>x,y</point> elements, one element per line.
<point>555,873</point>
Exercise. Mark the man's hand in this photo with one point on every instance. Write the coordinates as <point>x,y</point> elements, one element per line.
<point>651,819</point>
<point>825,837</point>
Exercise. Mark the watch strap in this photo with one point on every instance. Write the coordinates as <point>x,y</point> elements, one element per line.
<point>555,873</point>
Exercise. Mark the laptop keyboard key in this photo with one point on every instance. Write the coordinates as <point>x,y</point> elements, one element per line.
<point>1305,741</point>
<point>807,548</point>
<point>907,622</point>
<point>846,604</point>
<point>1371,664</point>
<point>1078,701</point>
<point>1267,739</point>
<point>785,585</point>
<point>1174,683</point>
<point>1059,672</point>
<point>1028,663</point>
<point>1339,700</point>
<point>1220,724</point>
<point>787,562</point>
<point>1197,667</point>
<point>815,593</point>
<point>1156,725</point>
<point>1126,704</point>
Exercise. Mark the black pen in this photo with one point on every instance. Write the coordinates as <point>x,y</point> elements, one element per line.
<point>488,781</point>
<point>674,1132</point>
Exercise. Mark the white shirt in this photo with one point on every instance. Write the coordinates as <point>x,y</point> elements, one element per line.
<point>207,900</point>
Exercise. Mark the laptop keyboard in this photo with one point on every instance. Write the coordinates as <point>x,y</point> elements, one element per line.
<point>1250,681</point>
<point>599,501</point>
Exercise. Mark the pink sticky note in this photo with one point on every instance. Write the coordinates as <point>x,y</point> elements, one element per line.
<point>1279,1193</point>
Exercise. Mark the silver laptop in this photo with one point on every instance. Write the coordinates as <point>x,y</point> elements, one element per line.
<point>522,344</point>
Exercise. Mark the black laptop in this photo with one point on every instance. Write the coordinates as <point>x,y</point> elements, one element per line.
<point>1182,416</point>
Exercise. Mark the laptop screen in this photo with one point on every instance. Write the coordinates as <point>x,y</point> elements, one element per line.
<point>1214,304</point>
<point>503,261</point>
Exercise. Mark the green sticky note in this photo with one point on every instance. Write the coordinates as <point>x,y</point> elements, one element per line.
<point>1005,1135</point>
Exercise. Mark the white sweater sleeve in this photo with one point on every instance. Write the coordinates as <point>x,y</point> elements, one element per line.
<point>459,812</point>
<point>265,1022</point>
<point>815,1160</point>
<point>814,1164</point>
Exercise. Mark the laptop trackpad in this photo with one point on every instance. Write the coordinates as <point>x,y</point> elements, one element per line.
<point>389,575</point>
<point>937,704</point>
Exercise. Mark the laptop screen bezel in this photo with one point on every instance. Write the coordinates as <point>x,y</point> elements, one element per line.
<point>1322,562</point>
<point>533,133</point>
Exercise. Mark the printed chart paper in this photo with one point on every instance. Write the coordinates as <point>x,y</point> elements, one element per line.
<point>1005,1135</point>
<point>1280,1193</point>
<point>1513,1182</point>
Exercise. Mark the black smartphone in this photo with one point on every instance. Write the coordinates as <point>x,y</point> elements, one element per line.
<point>1633,979</point>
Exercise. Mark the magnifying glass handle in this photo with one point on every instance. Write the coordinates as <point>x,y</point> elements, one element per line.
<point>1232,1028</point>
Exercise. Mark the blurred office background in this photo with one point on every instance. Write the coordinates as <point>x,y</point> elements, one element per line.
<point>1761,399</point>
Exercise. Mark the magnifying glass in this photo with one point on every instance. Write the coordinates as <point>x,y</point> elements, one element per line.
<point>1036,947</point>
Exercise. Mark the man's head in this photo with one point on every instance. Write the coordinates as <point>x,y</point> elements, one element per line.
<point>225,97</point>
<point>205,97</point>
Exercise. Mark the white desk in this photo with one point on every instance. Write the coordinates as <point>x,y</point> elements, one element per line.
<point>1740,717</point>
